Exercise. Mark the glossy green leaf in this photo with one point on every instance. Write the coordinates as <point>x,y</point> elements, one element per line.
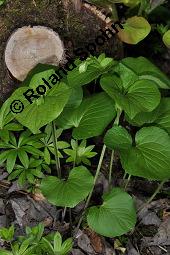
<point>34,77</point>
<point>87,117</point>
<point>115,217</point>
<point>146,70</point>
<point>76,78</point>
<point>23,157</point>
<point>68,192</point>
<point>160,116</point>
<point>4,135</point>
<point>166,39</point>
<point>75,98</point>
<point>57,242</point>
<point>4,252</point>
<point>143,117</point>
<point>7,234</point>
<point>135,30</point>
<point>150,157</point>
<point>118,138</point>
<point>35,116</point>
<point>163,115</point>
<point>11,160</point>
<point>109,3</point>
<point>142,94</point>
<point>5,113</point>
<point>88,71</point>
<point>67,246</point>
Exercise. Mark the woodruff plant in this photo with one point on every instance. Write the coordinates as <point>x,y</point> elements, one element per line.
<point>130,88</point>
<point>34,243</point>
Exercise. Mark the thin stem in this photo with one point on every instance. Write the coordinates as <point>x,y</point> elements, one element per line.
<point>90,194</point>
<point>111,168</point>
<point>124,176</point>
<point>116,122</point>
<point>141,8</point>
<point>70,219</point>
<point>74,163</point>
<point>114,12</point>
<point>153,196</point>
<point>119,112</point>
<point>63,214</point>
<point>57,160</point>
<point>156,192</point>
<point>127,182</point>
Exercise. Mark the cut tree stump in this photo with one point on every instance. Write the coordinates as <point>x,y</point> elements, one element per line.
<point>29,46</point>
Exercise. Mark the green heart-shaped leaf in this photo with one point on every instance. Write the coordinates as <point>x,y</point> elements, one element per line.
<point>142,94</point>
<point>87,117</point>
<point>70,192</point>
<point>150,157</point>
<point>43,110</point>
<point>115,217</point>
<point>34,77</point>
<point>160,116</point>
<point>163,116</point>
<point>135,30</point>
<point>118,138</point>
<point>144,69</point>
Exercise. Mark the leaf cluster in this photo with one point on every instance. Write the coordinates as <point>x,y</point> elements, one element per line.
<point>34,243</point>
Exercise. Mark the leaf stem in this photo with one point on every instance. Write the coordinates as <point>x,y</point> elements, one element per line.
<point>116,122</point>
<point>114,12</point>
<point>64,214</point>
<point>141,8</point>
<point>90,194</point>
<point>57,160</point>
<point>111,168</point>
<point>153,196</point>
<point>127,182</point>
<point>74,163</point>
<point>156,192</point>
<point>124,176</point>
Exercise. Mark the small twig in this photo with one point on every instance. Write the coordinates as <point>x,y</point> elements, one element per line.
<point>162,248</point>
<point>7,186</point>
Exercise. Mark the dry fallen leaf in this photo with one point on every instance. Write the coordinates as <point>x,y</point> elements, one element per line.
<point>96,240</point>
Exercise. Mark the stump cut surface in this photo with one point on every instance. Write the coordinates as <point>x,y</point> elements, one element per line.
<point>29,46</point>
